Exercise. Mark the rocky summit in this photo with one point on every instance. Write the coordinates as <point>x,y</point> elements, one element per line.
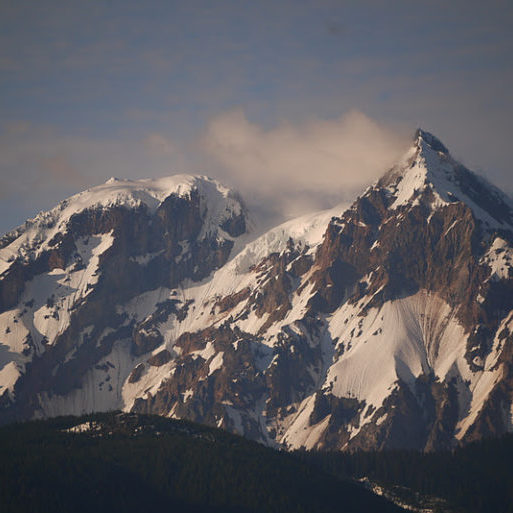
<point>387,324</point>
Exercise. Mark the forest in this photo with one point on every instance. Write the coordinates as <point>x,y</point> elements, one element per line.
<point>475,478</point>
<point>125,462</point>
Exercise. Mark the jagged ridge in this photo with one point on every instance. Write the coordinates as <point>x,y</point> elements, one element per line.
<point>387,324</point>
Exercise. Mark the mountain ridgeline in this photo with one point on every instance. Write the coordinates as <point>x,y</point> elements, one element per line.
<point>385,325</point>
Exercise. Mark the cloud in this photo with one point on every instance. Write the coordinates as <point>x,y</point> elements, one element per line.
<point>302,166</point>
<point>287,170</point>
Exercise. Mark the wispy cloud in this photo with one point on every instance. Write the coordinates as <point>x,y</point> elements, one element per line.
<point>287,169</point>
<point>304,166</point>
<point>290,168</point>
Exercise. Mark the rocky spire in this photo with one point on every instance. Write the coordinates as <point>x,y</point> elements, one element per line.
<point>421,136</point>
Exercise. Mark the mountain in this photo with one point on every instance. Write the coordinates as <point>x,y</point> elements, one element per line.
<point>387,324</point>
<point>125,462</point>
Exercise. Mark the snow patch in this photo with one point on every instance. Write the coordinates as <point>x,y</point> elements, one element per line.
<point>216,363</point>
<point>9,374</point>
<point>499,258</point>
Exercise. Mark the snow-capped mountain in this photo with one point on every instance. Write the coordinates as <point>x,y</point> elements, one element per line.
<point>385,324</point>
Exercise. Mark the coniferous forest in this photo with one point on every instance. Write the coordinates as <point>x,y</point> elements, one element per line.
<point>125,462</point>
<point>131,463</point>
<point>476,478</point>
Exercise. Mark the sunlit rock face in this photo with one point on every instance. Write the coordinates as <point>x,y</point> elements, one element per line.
<point>385,324</point>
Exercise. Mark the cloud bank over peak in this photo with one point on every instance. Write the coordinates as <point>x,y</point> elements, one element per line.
<point>286,170</point>
<point>296,168</point>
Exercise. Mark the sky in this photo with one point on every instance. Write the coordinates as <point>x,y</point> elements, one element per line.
<point>299,104</point>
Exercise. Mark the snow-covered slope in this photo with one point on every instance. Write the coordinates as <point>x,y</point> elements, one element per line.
<point>427,173</point>
<point>385,324</point>
<point>103,245</point>
<point>31,239</point>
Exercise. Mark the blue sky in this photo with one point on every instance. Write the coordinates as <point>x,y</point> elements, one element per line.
<point>136,89</point>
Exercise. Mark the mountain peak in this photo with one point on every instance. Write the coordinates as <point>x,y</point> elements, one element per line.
<point>219,208</point>
<point>428,174</point>
<point>421,136</point>
<point>148,295</point>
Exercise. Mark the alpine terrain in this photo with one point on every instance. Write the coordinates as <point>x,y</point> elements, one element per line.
<point>388,324</point>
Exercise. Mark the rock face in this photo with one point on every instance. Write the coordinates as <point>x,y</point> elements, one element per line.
<point>70,274</point>
<point>385,324</point>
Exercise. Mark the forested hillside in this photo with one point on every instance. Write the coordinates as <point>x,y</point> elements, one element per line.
<point>477,478</point>
<point>120,462</point>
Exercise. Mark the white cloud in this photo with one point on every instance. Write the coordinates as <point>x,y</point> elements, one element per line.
<point>302,166</point>
<point>287,170</point>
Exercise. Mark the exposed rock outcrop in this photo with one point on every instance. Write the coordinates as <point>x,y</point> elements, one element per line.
<point>384,325</point>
